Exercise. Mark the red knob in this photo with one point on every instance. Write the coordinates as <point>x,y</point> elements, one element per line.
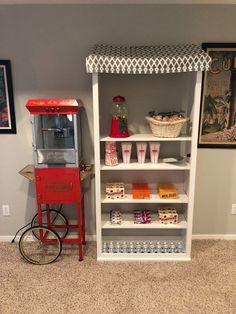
<point>47,109</point>
<point>58,109</point>
<point>52,109</point>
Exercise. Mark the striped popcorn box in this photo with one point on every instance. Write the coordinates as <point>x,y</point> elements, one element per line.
<point>111,159</point>
<point>146,216</point>
<point>115,217</point>
<point>110,147</point>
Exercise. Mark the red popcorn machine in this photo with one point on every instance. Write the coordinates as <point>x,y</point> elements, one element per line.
<point>57,157</point>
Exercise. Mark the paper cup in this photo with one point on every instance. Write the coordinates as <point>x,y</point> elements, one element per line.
<point>126,152</point>
<point>141,152</point>
<point>154,151</point>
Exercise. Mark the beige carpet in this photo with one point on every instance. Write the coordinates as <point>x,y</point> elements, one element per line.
<point>207,284</point>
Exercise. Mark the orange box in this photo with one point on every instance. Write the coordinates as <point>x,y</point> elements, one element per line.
<point>167,191</point>
<point>140,191</point>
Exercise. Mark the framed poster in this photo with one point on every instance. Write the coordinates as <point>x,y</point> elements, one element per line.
<point>217,125</point>
<point>7,112</point>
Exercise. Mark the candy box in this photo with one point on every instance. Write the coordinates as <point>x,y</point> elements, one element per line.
<point>140,191</point>
<point>115,217</point>
<point>115,190</point>
<point>168,216</point>
<point>142,217</point>
<point>167,191</point>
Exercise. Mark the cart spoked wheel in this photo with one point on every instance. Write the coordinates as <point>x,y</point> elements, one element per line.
<point>56,218</point>
<point>41,250</point>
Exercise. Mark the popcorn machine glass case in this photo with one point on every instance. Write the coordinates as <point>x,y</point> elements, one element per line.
<point>56,132</point>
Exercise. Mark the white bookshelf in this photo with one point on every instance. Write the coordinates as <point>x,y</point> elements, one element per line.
<point>101,64</point>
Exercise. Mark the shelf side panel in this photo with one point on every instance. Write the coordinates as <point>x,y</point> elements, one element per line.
<point>97,161</point>
<point>195,119</point>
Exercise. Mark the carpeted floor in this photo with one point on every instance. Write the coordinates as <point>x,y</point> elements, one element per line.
<point>205,285</point>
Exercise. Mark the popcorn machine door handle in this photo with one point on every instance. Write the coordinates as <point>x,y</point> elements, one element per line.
<point>71,185</point>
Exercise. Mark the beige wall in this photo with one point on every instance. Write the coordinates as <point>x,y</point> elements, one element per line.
<point>47,46</point>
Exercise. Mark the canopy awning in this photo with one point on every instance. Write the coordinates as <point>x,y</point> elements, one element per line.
<point>147,59</point>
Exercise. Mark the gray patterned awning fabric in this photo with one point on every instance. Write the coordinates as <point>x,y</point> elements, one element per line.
<point>147,59</point>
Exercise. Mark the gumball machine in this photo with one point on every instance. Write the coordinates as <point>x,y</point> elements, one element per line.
<point>57,159</point>
<point>119,122</point>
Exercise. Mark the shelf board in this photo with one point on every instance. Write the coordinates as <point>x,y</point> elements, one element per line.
<point>134,165</point>
<point>154,198</point>
<point>144,257</point>
<point>128,223</point>
<point>146,137</point>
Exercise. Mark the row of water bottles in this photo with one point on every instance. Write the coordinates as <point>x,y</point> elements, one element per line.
<point>143,247</point>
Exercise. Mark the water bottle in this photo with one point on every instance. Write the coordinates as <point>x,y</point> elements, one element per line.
<point>135,248</point>
<point>145,247</point>
<point>151,247</point>
<point>124,247</point>
<point>115,248</point>
<point>131,247</point>
<point>180,247</point>
<point>166,247</point>
<point>138,247</point>
<point>118,250</point>
<point>172,247</point>
<point>104,247</point>
<point>158,248</point>
<point>111,247</point>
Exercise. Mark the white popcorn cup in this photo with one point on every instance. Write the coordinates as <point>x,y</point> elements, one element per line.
<point>126,152</point>
<point>154,151</point>
<point>141,152</point>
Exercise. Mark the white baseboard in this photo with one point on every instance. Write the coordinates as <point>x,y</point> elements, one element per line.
<point>6,238</point>
<point>92,237</point>
<point>214,236</point>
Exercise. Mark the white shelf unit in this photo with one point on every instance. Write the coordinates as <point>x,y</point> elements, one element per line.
<point>111,75</point>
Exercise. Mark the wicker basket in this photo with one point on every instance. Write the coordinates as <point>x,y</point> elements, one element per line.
<point>166,128</point>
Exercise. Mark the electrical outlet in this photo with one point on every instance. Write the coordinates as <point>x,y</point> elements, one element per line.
<point>5,210</point>
<point>233,210</point>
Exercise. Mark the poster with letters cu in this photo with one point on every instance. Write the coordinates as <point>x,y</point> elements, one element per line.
<point>217,125</point>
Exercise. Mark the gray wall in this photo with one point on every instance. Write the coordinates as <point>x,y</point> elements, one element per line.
<point>48,45</point>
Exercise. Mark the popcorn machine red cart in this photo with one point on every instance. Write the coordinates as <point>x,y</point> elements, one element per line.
<point>57,157</point>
